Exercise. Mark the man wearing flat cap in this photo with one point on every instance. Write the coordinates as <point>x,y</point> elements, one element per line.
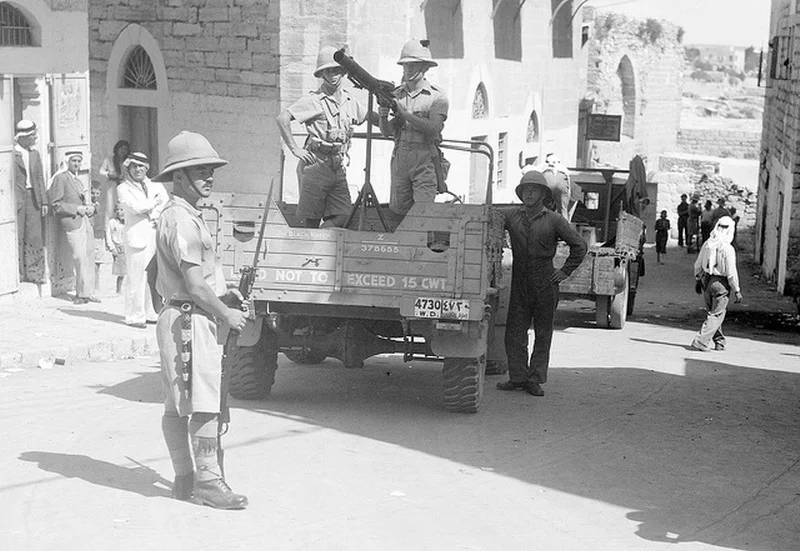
<point>72,205</point>
<point>535,231</point>
<point>142,201</point>
<point>31,202</point>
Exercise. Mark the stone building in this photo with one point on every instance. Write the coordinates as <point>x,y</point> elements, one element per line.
<point>227,67</point>
<point>43,77</point>
<point>635,69</point>
<point>777,244</point>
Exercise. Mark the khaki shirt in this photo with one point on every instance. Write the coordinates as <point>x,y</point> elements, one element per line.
<point>183,236</point>
<point>326,118</point>
<point>425,101</point>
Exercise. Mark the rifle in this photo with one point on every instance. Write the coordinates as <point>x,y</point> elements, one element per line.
<point>246,283</point>
<point>383,90</point>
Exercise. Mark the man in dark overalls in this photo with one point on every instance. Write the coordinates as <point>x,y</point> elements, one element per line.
<point>535,232</point>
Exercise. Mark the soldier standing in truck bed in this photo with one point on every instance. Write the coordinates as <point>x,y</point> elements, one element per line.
<point>535,231</point>
<point>329,114</point>
<point>421,110</point>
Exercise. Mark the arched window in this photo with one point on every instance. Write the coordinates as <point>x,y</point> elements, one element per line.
<point>480,104</point>
<point>532,133</point>
<point>628,85</point>
<point>139,72</point>
<point>15,30</point>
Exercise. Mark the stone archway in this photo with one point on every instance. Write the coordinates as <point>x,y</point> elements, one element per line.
<point>628,88</point>
<point>138,93</point>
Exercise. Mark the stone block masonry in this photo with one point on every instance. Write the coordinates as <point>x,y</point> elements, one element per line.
<point>238,38</point>
<point>720,143</point>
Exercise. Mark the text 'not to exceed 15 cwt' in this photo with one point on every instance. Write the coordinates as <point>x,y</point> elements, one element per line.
<point>382,281</point>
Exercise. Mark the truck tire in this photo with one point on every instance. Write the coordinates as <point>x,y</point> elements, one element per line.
<point>251,369</point>
<point>305,356</point>
<point>463,383</point>
<point>601,311</point>
<point>618,308</point>
<point>631,302</point>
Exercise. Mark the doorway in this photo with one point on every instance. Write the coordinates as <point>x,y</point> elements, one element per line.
<point>139,125</point>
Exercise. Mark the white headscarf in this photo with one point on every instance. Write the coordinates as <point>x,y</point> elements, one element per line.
<point>721,237</point>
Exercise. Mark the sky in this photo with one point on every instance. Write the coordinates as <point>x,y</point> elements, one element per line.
<point>729,22</point>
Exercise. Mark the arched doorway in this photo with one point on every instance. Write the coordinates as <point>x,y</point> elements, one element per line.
<point>138,93</point>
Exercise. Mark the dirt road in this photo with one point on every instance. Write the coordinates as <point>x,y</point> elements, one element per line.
<point>640,443</point>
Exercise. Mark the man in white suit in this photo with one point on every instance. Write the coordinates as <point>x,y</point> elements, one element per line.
<point>142,200</point>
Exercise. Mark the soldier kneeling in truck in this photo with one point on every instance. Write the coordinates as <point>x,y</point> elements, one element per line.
<point>535,231</point>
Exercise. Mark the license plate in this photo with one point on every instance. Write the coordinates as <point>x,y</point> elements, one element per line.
<point>441,308</point>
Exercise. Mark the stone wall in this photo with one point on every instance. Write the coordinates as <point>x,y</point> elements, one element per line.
<point>779,217</point>
<point>720,143</point>
<point>221,63</point>
<point>648,95</point>
<point>678,175</point>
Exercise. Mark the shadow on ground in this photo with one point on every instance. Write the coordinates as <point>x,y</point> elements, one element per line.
<point>98,315</point>
<point>140,480</point>
<point>707,457</point>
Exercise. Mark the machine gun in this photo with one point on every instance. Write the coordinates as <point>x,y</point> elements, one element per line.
<point>383,90</point>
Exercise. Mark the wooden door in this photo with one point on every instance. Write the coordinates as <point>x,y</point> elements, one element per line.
<point>69,106</point>
<point>9,268</point>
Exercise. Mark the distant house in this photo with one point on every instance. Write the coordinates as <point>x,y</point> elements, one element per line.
<point>721,57</point>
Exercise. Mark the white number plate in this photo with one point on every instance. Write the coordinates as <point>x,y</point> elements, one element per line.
<point>441,308</point>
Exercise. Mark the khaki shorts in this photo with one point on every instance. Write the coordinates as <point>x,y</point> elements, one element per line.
<point>323,190</point>
<point>206,363</point>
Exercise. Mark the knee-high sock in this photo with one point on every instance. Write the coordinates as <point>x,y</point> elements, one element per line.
<point>203,430</point>
<point>176,435</point>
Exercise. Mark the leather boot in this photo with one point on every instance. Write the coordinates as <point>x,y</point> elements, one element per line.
<point>183,487</point>
<point>216,493</point>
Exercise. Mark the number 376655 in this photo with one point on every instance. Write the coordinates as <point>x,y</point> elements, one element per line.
<point>379,249</point>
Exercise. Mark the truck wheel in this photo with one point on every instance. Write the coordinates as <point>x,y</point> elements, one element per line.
<point>305,356</point>
<point>463,383</point>
<point>631,302</point>
<point>601,311</point>
<point>251,369</point>
<point>618,309</point>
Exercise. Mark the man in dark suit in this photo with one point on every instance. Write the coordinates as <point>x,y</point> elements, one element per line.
<point>31,203</point>
<point>73,207</point>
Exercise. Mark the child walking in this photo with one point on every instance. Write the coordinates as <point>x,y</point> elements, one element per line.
<point>99,250</point>
<point>115,242</point>
<point>662,234</point>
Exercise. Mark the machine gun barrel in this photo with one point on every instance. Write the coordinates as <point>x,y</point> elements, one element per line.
<point>382,89</point>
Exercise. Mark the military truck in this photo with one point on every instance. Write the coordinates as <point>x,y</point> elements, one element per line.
<point>610,272</point>
<point>423,285</point>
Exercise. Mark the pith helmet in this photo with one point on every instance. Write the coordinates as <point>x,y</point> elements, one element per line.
<point>415,51</point>
<point>325,60</point>
<point>531,178</point>
<point>188,149</point>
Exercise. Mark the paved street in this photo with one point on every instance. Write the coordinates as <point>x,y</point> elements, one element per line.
<point>640,443</point>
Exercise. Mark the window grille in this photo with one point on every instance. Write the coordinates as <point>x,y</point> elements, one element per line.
<point>502,154</point>
<point>480,104</point>
<point>532,133</point>
<point>139,72</point>
<point>14,28</point>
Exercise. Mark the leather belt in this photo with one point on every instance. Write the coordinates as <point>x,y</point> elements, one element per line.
<point>188,305</point>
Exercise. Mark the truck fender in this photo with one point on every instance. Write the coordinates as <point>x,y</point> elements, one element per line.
<point>249,335</point>
<point>470,342</point>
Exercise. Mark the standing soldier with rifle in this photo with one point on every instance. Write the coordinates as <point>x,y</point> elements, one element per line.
<point>420,112</point>
<point>329,113</point>
<point>190,279</point>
